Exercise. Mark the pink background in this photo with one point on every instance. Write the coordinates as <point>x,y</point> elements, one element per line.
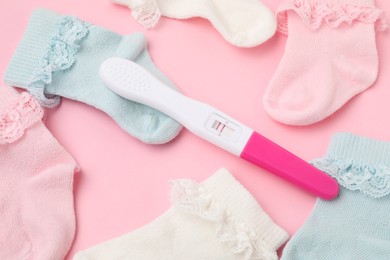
<point>123,183</point>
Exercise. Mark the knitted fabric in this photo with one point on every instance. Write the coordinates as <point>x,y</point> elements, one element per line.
<point>36,183</point>
<point>356,225</point>
<point>145,12</point>
<point>330,56</point>
<point>60,55</point>
<point>217,219</point>
<point>242,23</point>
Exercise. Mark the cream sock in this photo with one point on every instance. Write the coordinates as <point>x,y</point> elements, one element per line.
<point>243,23</point>
<point>217,219</point>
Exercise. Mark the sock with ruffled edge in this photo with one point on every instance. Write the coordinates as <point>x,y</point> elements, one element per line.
<point>36,183</point>
<point>60,55</point>
<point>243,23</point>
<point>356,225</point>
<point>330,56</point>
<point>217,219</point>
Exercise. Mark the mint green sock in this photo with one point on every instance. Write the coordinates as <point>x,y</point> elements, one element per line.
<point>60,55</point>
<point>356,225</point>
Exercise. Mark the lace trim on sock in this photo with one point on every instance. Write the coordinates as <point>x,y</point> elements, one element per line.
<point>315,12</point>
<point>18,116</point>
<point>60,55</point>
<point>145,12</point>
<point>372,180</point>
<point>189,197</point>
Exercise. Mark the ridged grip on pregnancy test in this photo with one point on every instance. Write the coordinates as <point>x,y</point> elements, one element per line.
<point>133,82</point>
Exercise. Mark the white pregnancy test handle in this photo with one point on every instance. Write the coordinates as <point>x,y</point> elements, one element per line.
<point>135,83</point>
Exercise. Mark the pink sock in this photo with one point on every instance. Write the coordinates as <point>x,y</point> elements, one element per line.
<point>330,56</point>
<point>36,179</point>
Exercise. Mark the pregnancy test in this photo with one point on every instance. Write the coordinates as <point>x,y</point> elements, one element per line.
<point>133,82</point>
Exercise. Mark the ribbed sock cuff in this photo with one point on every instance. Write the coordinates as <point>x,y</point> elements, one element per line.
<point>333,13</point>
<point>227,191</point>
<point>358,164</point>
<point>32,48</point>
<point>366,151</point>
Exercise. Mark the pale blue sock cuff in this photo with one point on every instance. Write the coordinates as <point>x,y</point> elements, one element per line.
<point>60,55</point>
<point>42,26</point>
<point>32,48</point>
<point>355,225</point>
<point>366,151</point>
<point>358,163</point>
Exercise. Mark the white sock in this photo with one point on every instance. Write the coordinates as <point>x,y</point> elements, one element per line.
<point>217,219</point>
<point>145,12</point>
<point>244,23</point>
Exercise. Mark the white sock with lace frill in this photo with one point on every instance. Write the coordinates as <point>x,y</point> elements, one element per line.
<point>217,219</point>
<point>243,23</point>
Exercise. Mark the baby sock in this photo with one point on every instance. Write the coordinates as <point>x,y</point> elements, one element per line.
<point>330,56</point>
<point>242,23</point>
<point>145,12</point>
<point>36,183</point>
<point>61,55</point>
<point>356,225</point>
<point>217,219</point>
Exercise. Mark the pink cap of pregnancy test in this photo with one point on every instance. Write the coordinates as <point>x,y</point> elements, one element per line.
<point>270,156</point>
